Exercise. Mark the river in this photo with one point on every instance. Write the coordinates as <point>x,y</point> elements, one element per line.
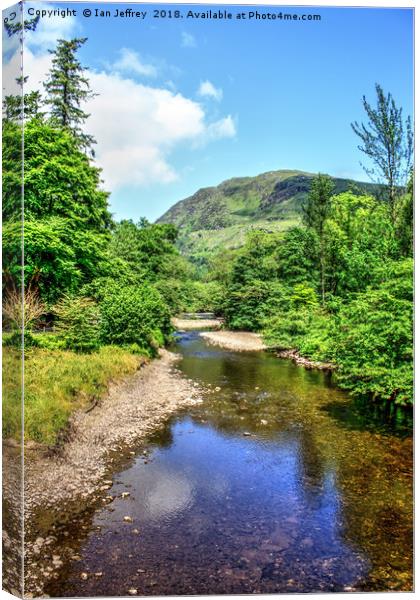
<point>276,483</point>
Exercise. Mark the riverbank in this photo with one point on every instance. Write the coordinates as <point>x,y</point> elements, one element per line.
<point>245,341</point>
<point>308,363</point>
<point>238,341</point>
<point>64,484</point>
<point>196,324</point>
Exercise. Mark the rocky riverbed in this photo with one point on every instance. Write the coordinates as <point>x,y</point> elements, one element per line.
<point>61,485</point>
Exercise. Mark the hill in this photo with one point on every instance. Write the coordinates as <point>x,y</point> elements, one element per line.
<point>220,216</point>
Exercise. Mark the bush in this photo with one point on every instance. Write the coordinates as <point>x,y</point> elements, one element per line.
<point>79,323</point>
<point>135,315</point>
<point>14,340</point>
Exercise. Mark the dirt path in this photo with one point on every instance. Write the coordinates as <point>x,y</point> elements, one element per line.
<point>239,341</point>
<point>59,487</point>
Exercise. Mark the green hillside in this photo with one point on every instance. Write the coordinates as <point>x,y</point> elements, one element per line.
<point>220,216</point>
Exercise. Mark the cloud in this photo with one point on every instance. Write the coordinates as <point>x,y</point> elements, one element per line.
<point>49,30</point>
<point>134,146</point>
<point>130,62</point>
<point>188,40</point>
<point>138,126</point>
<point>224,128</point>
<point>207,89</point>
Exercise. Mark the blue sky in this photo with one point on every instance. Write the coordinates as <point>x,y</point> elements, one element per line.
<point>189,103</point>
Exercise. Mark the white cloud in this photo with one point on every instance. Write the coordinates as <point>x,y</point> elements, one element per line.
<point>207,89</point>
<point>130,62</point>
<point>137,126</point>
<point>49,30</point>
<point>134,145</point>
<point>224,128</point>
<point>188,40</point>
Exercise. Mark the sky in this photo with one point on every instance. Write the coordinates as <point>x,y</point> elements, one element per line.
<point>186,103</point>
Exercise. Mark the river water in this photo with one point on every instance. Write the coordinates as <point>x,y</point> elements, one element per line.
<point>276,483</point>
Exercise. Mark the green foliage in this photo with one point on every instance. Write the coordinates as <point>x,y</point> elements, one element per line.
<point>359,240</point>
<point>148,249</point>
<point>16,108</point>
<point>362,321</point>
<point>374,337</point>
<point>15,340</point>
<point>135,315</point>
<point>59,179</point>
<point>78,323</point>
<point>58,256</point>
<point>404,220</point>
<point>297,256</point>
<point>249,306</point>
<point>206,297</point>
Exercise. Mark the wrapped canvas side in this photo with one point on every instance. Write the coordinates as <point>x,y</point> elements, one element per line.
<point>13,306</point>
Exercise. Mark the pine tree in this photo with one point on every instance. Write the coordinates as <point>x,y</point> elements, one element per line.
<point>388,142</point>
<point>67,89</point>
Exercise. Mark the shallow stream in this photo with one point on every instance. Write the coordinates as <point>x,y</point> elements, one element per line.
<point>276,483</point>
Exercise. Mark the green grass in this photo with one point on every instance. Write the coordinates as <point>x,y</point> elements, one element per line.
<point>57,382</point>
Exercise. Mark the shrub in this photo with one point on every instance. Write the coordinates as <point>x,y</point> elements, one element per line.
<point>22,311</point>
<point>78,324</point>
<point>135,315</point>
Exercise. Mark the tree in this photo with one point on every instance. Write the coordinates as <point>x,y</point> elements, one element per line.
<point>16,110</point>
<point>404,219</point>
<point>359,243</point>
<point>388,142</point>
<point>148,248</point>
<point>59,179</point>
<point>315,214</point>
<point>67,89</point>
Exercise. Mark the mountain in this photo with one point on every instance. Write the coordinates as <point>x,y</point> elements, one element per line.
<point>219,217</point>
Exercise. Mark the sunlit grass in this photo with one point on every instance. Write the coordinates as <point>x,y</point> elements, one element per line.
<point>57,382</point>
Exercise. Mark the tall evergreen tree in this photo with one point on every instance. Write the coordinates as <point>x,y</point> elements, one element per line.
<point>67,89</point>
<point>315,214</point>
<point>388,142</point>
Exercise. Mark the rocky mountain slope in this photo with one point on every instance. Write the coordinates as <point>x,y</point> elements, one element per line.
<point>220,216</point>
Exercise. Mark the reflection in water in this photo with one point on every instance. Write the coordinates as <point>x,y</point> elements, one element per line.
<point>257,490</point>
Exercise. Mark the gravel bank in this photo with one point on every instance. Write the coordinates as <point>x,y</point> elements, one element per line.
<point>239,341</point>
<point>191,324</point>
<point>60,486</point>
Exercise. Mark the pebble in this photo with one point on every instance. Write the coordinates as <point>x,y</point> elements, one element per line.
<point>128,519</point>
<point>125,494</point>
<point>132,591</point>
<point>83,576</point>
<point>264,422</point>
<point>217,389</point>
<point>246,433</point>
<point>99,574</point>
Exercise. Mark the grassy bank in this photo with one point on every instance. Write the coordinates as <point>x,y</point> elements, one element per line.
<point>57,382</point>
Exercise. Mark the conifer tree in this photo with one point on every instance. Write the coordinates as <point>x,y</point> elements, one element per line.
<point>67,89</point>
<point>388,142</point>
